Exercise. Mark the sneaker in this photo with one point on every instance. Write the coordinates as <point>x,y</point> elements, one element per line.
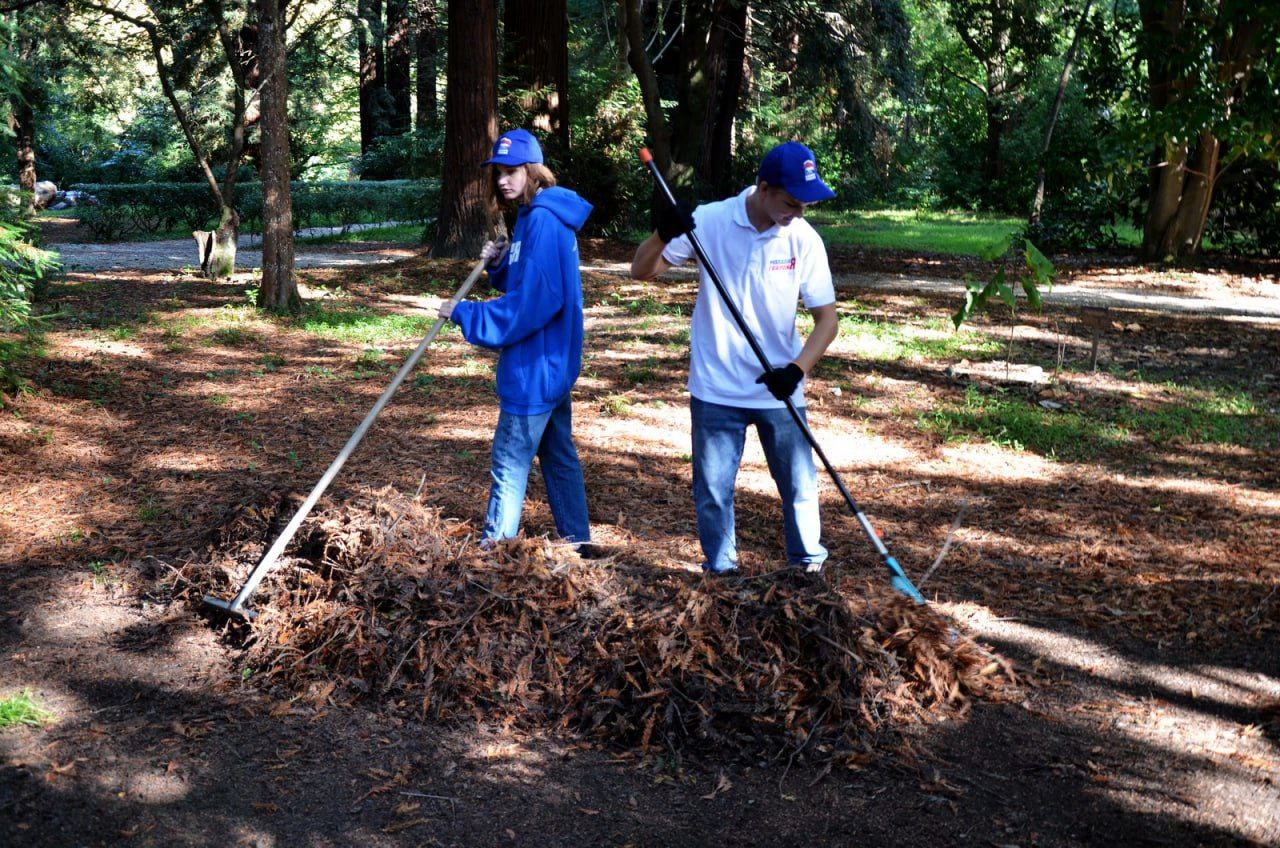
<point>813,567</point>
<point>592,550</point>
<point>732,568</point>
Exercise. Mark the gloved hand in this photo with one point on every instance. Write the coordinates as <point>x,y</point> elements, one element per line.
<point>492,251</point>
<point>782,382</point>
<point>671,222</point>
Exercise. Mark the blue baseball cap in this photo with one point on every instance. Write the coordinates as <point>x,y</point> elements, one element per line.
<point>517,147</point>
<point>793,166</point>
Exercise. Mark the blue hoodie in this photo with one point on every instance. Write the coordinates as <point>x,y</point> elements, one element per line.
<point>537,323</point>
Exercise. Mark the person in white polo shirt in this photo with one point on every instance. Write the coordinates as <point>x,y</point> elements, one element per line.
<point>769,260</point>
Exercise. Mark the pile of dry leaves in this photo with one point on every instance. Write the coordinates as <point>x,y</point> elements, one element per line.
<point>381,596</point>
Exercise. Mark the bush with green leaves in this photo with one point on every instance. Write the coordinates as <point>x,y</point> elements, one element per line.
<point>126,209</point>
<point>24,270</point>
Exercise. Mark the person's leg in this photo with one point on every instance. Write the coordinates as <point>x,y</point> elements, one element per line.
<point>562,472</point>
<point>719,433</point>
<point>515,441</point>
<point>791,463</point>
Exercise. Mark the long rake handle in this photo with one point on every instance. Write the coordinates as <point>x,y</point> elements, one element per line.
<point>286,536</point>
<point>897,577</point>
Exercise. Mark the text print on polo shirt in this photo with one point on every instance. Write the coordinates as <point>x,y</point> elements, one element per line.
<point>782,264</point>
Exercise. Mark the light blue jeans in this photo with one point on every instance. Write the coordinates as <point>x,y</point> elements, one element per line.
<point>719,435</point>
<point>518,439</point>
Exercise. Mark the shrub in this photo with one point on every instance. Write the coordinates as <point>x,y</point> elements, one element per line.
<point>128,209</point>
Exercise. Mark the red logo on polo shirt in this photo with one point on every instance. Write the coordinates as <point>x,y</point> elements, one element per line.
<point>782,264</point>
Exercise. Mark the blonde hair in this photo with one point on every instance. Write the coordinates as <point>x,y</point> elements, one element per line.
<point>537,177</point>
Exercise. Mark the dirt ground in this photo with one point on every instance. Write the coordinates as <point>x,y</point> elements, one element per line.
<point>1137,592</point>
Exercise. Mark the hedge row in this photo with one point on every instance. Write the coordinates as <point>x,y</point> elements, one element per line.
<point>126,208</point>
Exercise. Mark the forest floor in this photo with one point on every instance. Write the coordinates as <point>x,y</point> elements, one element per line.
<point>1123,549</point>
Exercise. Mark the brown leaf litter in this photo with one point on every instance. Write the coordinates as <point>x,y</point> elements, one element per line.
<point>382,595</point>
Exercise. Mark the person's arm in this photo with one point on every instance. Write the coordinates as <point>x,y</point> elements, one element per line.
<point>826,326</point>
<point>648,262</point>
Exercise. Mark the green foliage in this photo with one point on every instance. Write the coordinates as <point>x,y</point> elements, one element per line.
<point>127,210</point>
<point>22,710</point>
<point>362,326</point>
<point>1013,422</point>
<point>918,231</point>
<point>1038,274</point>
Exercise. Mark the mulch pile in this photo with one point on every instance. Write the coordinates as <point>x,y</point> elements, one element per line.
<point>381,597</point>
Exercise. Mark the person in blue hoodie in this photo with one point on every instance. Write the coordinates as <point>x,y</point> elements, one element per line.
<point>536,325</point>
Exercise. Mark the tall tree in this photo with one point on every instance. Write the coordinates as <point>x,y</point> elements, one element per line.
<point>426,20</point>
<point>470,127</point>
<point>278,290</point>
<point>399,64</point>
<point>536,59</point>
<point>375,107</point>
<point>1200,60</point>
<point>1006,39</point>
<point>176,33</point>
<point>1068,61</point>
<point>23,97</point>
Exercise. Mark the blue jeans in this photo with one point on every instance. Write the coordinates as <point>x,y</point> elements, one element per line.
<point>515,443</point>
<point>719,434</point>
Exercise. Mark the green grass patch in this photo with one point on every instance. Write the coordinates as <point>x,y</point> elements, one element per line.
<point>236,337</point>
<point>886,341</point>
<point>646,305</point>
<point>1204,415</point>
<point>1017,424</point>
<point>21,710</point>
<point>918,231</point>
<point>364,326</point>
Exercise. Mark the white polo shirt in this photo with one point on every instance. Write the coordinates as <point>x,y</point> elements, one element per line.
<point>766,274</point>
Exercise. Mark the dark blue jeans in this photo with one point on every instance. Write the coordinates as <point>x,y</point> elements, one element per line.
<point>518,439</point>
<point>719,435</point>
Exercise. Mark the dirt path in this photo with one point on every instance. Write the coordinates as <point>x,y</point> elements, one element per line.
<point>1137,591</point>
<point>181,253</point>
<point>1169,293</point>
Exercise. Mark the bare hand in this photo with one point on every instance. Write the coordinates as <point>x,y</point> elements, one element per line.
<point>493,251</point>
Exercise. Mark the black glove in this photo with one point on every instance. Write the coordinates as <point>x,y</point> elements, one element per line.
<point>782,382</point>
<point>671,222</point>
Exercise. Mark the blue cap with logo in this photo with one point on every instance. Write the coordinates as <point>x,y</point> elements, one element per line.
<point>517,147</point>
<point>793,166</point>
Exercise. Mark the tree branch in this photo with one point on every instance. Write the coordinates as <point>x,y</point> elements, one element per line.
<point>166,83</point>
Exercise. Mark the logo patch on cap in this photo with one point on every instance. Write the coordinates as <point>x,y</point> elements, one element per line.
<point>810,170</point>
<point>504,146</point>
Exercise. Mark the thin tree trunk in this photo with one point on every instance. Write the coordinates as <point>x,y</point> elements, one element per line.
<point>733,21</point>
<point>659,132</point>
<point>471,127</point>
<point>399,60</point>
<point>372,72</point>
<point>536,56</point>
<point>278,291</point>
<point>22,121</point>
<point>1068,61</point>
<point>425,45</point>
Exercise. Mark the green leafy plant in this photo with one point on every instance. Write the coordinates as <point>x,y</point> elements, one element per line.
<point>1038,274</point>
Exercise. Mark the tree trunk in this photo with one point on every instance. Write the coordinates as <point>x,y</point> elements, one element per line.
<point>471,127</point>
<point>732,20</point>
<point>536,56</point>
<point>632,21</point>
<point>997,88</point>
<point>1037,202</point>
<point>425,48</point>
<point>22,122</point>
<point>220,260</point>
<point>399,60</point>
<point>701,55</point>
<point>278,291</point>
<point>373,81</point>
